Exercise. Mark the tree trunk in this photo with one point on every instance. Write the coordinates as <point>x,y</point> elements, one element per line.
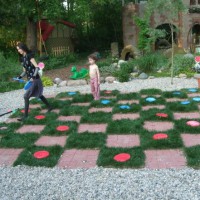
<point>31,35</point>
<point>172,58</point>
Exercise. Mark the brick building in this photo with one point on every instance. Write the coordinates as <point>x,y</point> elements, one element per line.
<point>187,23</point>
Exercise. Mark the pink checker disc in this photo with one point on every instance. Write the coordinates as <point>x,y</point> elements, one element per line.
<point>160,136</point>
<point>193,123</point>
<point>62,128</point>
<point>197,58</point>
<point>122,157</point>
<point>162,115</point>
<point>108,92</point>
<point>39,117</point>
<point>41,154</point>
<point>23,111</point>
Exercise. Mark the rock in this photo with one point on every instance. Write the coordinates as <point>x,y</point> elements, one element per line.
<point>151,77</point>
<point>110,79</point>
<point>197,76</point>
<point>143,76</point>
<point>57,81</point>
<point>182,76</point>
<point>120,62</point>
<point>134,74</point>
<point>76,82</point>
<point>188,55</point>
<point>62,84</point>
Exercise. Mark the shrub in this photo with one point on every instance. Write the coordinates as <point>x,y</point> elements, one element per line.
<point>183,64</point>
<point>150,62</point>
<point>46,81</point>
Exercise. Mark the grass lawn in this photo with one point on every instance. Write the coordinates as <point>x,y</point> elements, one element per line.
<point>136,110</point>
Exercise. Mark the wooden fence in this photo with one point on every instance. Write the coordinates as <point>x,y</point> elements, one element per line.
<point>59,51</point>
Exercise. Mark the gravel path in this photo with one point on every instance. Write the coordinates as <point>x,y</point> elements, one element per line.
<point>31,183</point>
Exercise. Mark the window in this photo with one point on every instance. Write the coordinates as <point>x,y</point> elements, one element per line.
<point>193,2</point>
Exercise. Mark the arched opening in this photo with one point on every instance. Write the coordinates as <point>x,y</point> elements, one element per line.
<point>166,42</point>
<point>194,38</point>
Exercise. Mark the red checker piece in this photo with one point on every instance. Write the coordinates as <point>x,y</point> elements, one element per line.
<point>108,92</point>
<point>122,157</point>
<point>160,136</point>
<point>23,111</point>
<point>193,123</point>
<point>41,154</point>
<point>39,117</point>
<point>162,115</point>
<point>62,128</point>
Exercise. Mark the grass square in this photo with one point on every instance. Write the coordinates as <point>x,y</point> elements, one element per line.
<point>50,128</point>
<point>124,126</point>
<point>177,106</point>
<point>182,126</point>
<point>151,115</point>
<point>193,156</point>
<point>128,96</point>
<point>134,108</point>
<point>173,141</point>
<point>18,140</point>
<point>82,98</point>
<point>174,94</point>
<point>151,91</point>
<point>96,117</point>
<point>86,140</point>
<point>106,156</point>
<point>26,157</point>
<point>73,110</point>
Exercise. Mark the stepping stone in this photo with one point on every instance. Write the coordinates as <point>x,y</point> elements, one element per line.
<point>76,118</point>
<point>8,156</point>
<point>125,141</point>
<point>126,116</point>
<point>190,139</point>
<point>74,158</point>
<point>153,106</point>
<point>175,100</point>
<point>193,94</point>
<point>156,95</point>
<point>32,106</point>
<point>94,128</point>
<point>43,111</point>
<point>11,120</point>
<point>169,158</point>
<point>80,104</point>
<point>65,98</point>
<point>51,141</point>
<point>108,97</point>
<point>51,96</point>
<point>188,115</point>
<point>31,129</point>
<point>158,126</point>
<point>128,101</point>
<point>107,110</point>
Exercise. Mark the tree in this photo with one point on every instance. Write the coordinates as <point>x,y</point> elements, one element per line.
<point>171,9</point>
<point>24,14</point>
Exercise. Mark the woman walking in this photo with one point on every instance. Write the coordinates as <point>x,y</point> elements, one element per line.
<point>30,68</point>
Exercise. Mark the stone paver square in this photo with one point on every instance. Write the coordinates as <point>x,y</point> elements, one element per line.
<point>74,158</point>
<point>106,109</point>
<point>153,106</point>
<point>126,116</point>
<point>54,111</point>
<point>158,126</point>
<point>190,139</point>
<point>51,141</point>
<point>128,101</point>
<point>169,158</point>
<point>8,156</point>
<point>81,104</point>
<point>31,128</point>
<point>12,120</point>
<point>125,141</point>
<point>34,106</point>
<point>76,118</point>
<point>94,128</point>
<point>188,115</point>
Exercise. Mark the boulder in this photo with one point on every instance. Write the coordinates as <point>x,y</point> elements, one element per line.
<point>62,84</point>
<point>76,82</point>
<point>143,76</point>
<point>110,79</point>
<point>57,81</point>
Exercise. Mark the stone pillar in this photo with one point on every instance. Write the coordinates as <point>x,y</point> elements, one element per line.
<point>114,49</point>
